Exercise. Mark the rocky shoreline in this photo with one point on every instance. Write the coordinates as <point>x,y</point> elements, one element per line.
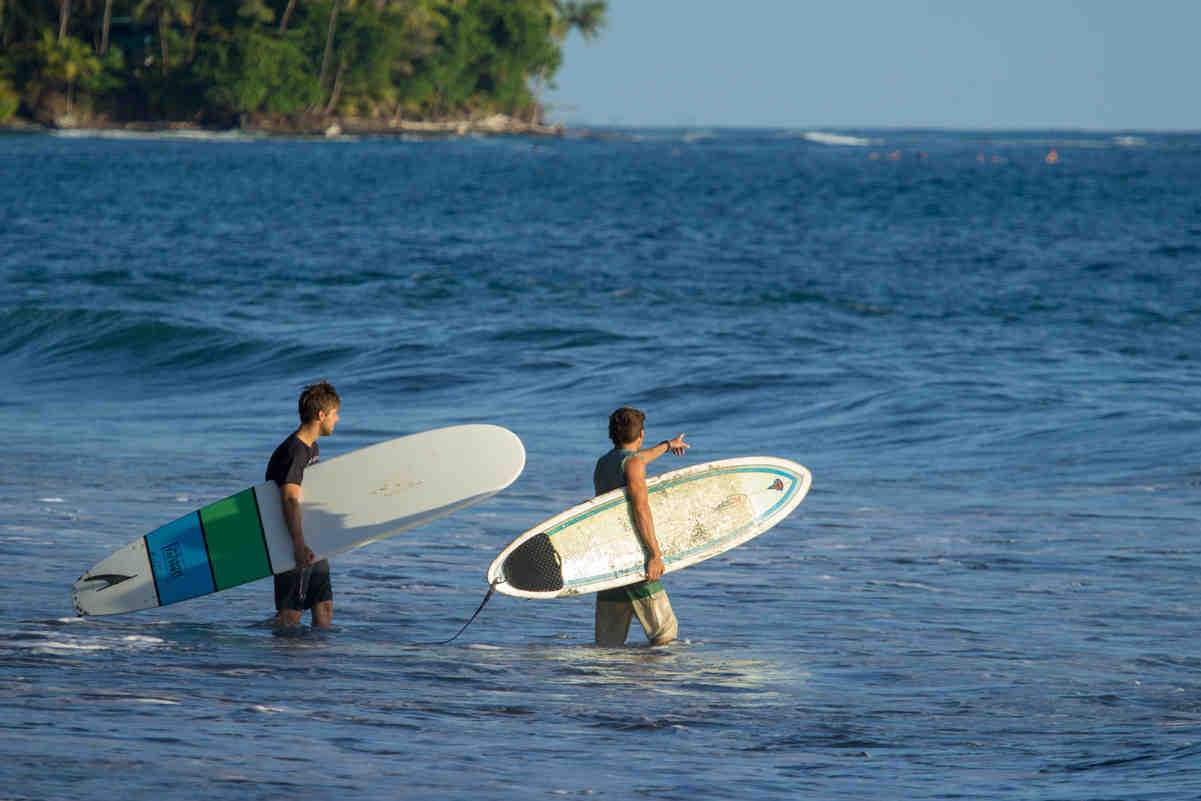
<point>320,126</point>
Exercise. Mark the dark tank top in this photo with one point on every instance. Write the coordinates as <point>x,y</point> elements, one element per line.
<point>609,475</point>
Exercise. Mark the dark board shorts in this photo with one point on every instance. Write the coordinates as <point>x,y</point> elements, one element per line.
<point>318,588</point>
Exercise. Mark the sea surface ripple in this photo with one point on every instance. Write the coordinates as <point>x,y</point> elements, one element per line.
<point>983,345</point>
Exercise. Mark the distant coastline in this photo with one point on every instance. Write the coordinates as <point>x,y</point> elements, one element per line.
<point>315,126</point>
<point>322,68</point>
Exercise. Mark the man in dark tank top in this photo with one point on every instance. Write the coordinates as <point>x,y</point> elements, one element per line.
<point>625,466</point>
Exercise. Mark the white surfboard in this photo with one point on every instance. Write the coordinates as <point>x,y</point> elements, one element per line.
<point>699,512</point>
<point>349,501</point>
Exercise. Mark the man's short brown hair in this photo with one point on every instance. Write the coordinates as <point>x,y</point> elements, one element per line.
<point>625,425</point>
<point>317,398</point>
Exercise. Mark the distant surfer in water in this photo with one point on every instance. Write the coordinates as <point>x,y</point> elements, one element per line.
<point>308,585</point>
<point>625,466</point>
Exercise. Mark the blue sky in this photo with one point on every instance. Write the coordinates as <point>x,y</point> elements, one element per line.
<point>1004,64</point>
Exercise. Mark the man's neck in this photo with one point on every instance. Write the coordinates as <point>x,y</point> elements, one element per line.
<point>309,432</point>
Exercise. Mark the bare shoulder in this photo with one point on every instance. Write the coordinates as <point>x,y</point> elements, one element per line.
<point>635,464</point>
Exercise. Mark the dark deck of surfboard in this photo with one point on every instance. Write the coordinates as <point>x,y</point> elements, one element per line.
<point>534,566</point>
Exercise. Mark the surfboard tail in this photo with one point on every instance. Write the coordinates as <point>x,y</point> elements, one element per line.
<point>533,566</point>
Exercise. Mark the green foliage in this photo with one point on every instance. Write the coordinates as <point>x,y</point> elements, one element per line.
<point>167,58</point>
<point>67,62</point>
<point>586,16</point>
<point>519,46</point>
<point>368,44</point>
<point>257,71</point>
<point>256,11</point>
<point>444,82</point>
<point>111,77</point>
<point>9,100</point>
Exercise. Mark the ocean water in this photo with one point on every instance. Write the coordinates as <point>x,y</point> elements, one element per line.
<point>983,345</point>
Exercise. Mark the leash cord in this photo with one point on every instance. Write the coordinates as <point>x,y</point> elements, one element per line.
<point>491,589</point>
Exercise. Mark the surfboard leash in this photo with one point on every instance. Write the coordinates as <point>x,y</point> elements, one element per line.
<point>487,597</point>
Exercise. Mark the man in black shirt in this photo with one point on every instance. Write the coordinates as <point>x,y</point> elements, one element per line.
<point>307,586</point>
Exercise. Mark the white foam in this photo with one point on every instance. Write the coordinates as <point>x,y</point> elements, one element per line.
<point>69,646</point>
<point>185,135</point>
<point>905,585</point>
<point>823,138</point>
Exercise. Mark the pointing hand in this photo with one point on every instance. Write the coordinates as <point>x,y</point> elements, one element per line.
<point>677,446</point>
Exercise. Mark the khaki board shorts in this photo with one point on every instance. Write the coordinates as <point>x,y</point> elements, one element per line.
<point>654,613</point>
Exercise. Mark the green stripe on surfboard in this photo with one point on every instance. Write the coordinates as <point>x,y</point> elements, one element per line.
<point>237,551</point>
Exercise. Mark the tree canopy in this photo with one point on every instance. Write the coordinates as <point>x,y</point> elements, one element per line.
<point>212,60</point>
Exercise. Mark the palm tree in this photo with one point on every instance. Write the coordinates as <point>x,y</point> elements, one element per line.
<point>68,60</point>
<point>329,42</point>
<point>586,16</point>
<point>64,16</point>
<point>104,26</point>
<point>165,11</point>
<point>283,20</point>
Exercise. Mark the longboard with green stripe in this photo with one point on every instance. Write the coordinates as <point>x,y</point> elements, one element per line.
<point>699,512</point>
<point>348,501</point>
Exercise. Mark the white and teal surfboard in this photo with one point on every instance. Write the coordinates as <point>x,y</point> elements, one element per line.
<point>349,501</point>
<point>699,512</point>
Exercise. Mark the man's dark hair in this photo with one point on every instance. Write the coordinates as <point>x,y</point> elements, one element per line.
<point>317,398</point>
<point>625,425</point>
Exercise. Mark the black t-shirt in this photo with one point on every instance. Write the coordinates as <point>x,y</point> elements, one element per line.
<point>289,461</point>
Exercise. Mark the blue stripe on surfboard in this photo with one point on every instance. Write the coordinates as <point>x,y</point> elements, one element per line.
<point>179,560</point>
<point>633,572</point>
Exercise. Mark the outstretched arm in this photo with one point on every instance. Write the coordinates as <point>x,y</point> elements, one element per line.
<point>676,446</point>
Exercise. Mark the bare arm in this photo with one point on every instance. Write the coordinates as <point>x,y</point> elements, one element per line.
<point>644,521</point>
<point>290,496</point>
<point>676,446</point>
